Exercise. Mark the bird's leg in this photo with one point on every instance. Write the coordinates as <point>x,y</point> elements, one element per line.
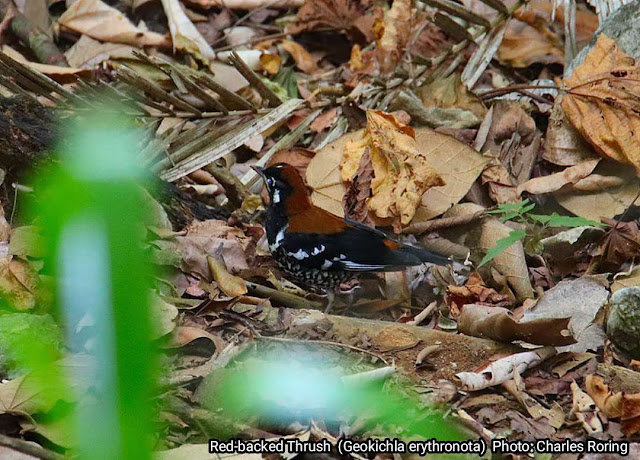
<point>331,297</point>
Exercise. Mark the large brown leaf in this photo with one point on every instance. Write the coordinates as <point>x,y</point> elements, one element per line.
<point>402,171</point>
<point>603,102</point>
<point>457,163</point>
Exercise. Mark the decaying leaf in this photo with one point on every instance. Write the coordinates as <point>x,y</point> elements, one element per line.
<point>324,120</point>
<point>296,156</point>
<point>359,190</point>
<point>602,101</point>
<point>304,61</point>
<point>232,285</point>
<point>498,323</point>
<point>564,145</point>
<point>531,35</point>
<point>26,395</point>
<point>345,15</point>
<point>554,415</point>
<point>402,172</point>
<point>623,280</point>
<point>605,193</point>
<point>580,300</point>
<point>393,33</point>
<point>184,34</point>
<point>18,283</point>
<point>608,402</point>
<point>164,316</point>
<point>457,163</point>
<point>204,238</point>
<point>105,23</point>
<point>553,182</point>
<point>585,410</point>
<point>474,291</point>
<point>620,243</point>
<point>451,92</point>
<point>503,369</point>
<point>631,414</point>
<point>509,135</point>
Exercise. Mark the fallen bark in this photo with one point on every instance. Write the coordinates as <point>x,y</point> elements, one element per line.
<point>394,341</point>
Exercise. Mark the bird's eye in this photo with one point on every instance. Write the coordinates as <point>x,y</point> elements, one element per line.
<point>270,182</point>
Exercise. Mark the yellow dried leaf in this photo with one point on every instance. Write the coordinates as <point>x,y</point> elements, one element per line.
<point>608,402</point>
<point>457,163</point>
<point>304,60</point>
<point>270,63</point>
<point>603,102</point>
<point>394,33</point>
<point>402,171</point>
<point>232,285</point>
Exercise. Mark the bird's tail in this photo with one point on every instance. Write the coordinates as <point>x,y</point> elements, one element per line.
<point>423,255</point>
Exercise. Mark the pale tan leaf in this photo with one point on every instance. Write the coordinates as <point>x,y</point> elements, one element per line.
<point>87,53</point>
<point>598,202</point>
<point>564,145</point>
<point>57,73</point>
<point>554,182</point>
<point>102,22</point>
<point>184,34</point>
<point>608,402</point>
<point>402,171</point>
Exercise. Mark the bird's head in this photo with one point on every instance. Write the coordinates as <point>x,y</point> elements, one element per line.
<point>286,188</point>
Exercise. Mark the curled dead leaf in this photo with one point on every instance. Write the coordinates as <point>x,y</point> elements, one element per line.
<point>232,285</point>
<point>497,323</point>
<point>553,182</point>
<point>304,61</point>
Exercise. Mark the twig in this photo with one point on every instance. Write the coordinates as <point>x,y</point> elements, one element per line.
<point>444,222</point>
<point>254,79</point>
<point>324,342</point>
<point>283,298</point>
<point>25,447</point>
<point>39,42</point>
<point>513,88</point>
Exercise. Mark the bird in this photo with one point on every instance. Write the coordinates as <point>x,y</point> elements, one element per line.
<point>321,250</point>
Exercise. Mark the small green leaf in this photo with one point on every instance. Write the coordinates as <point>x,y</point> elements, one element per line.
<point>556,220</point>
<point>512,210</point>
<point>509,207</point>
<point>502,244</point>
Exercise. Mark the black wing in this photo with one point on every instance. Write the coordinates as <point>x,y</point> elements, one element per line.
<point>358,248</point>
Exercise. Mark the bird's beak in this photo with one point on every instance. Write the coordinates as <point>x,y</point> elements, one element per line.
<point>259,170</point>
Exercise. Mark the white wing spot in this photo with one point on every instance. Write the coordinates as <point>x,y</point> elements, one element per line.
<point>326,264</point>
<point>279,238</point>
<point>317,251</point>
<point>276,196</point>
<point>301,254</point>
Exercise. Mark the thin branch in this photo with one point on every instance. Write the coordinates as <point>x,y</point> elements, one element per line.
<point>20,445</point>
